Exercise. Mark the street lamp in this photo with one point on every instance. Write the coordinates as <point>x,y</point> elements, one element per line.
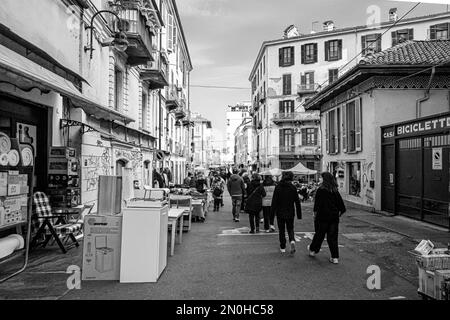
<point>120,38</point>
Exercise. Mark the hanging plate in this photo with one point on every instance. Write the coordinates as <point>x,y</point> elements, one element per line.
<point>3,159</point>
<point>13,158</point>
<point>27,156</point>
<point>5,143</point>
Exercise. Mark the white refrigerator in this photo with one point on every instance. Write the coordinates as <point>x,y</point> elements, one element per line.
<point>144,242</point>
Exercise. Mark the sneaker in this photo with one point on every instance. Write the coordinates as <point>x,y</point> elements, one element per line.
<point>282,250</point>
<point>334,260</point>
<point>292,247</point>
<point>267,231</point>
<point>311,253</point>
<point>252,231</point>
<point>237,219</point>
<point>261,221</point>
<point>272,229</point>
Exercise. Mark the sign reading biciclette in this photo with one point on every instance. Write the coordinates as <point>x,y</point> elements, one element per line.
<point>423,126</point>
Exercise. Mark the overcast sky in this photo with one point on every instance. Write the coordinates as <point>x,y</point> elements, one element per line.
<point>224,37</point>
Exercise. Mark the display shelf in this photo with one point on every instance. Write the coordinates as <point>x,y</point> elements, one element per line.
<point>13,225</point>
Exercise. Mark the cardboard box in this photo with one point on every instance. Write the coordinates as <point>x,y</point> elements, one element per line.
<point>13,210</point>
<point>426,282</point>
<point>440,277</point>
<point>102,247</point>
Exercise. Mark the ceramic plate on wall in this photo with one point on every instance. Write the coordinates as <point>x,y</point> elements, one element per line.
<point>5,143</point>
<point>13,158</point>
<point>27,156</point>
<point>3,159</point>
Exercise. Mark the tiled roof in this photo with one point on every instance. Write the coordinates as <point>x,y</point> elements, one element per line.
<point>430,52</point>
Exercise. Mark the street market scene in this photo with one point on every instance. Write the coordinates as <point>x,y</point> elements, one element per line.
<point>224,150</point>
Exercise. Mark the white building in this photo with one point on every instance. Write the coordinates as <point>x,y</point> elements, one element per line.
<point>234,117</point>
<point>201,145</point>
<point>244,143</point>
<point>289,71</point>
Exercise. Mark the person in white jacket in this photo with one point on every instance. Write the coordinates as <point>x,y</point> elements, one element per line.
<point>269,187</point>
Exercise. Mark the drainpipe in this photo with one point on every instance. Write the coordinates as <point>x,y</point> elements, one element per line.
<point>426,96</point>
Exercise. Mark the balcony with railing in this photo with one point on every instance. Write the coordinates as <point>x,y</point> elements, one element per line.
<point>296,150</point>
<point>172,98</point>
<point>137,29</point>
<point>295,117</point>
<point>308,88</point>
<point>155,73</point>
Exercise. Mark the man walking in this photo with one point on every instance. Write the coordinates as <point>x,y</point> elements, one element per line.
<point>285,203</point>
<point>236,188</point>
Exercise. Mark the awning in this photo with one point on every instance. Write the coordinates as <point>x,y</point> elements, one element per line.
<point>21,66</point>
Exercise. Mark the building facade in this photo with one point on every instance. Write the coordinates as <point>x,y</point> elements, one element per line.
<point>103,83</point>
<point>235,115</point>
<point>289,71</point>
<point>201,145</point>
<point>386,131</point>
<point>244,143</point>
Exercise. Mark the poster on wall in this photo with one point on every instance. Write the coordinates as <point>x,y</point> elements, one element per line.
<point>27,134</point>
<point>437,158</point>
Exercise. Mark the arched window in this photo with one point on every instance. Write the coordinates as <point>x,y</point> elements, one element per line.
<point>120,165</point>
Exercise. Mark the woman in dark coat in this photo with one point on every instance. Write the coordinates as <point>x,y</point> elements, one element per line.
<point>285,205</point>
<point>254,202</point>
<point>328,207</point>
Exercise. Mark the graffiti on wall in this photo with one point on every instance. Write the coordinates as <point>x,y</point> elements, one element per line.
<point>94,166</point>
<point>368,176</point>
<point>134,157</point>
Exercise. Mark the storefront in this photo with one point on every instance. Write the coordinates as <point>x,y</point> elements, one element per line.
<point>416,169</point>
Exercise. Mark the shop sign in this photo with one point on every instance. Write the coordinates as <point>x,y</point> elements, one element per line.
<point>388,134</point>
<point>437,158</point>
<point>423,126</point>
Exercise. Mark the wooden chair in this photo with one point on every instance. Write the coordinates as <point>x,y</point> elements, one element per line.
<point>53,224</point>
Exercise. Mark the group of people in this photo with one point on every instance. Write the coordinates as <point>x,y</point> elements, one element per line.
<point>283,202</point>
<point>163,178</point>
<point>215,182</point>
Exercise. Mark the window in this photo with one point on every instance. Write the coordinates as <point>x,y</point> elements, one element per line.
<point>307,81</point>
<point>118,89</point>
<point>170,33</point>
<point>351,126</point>
<point>287,140</point>
<point>144,111</point>
<point>254,85</point>
<point>333,50</point>
<point>287,84</point>
<point>354,174</point>
<point>332,75</point>
<point>403,35</point>
<point>264,65</point>
<point>309,136</point>
<point>371,43</point>
<point>286,57</point>
<point>309,53</point>
<point>287,106</point>
<point>440,31</point>
<point>332,131</point>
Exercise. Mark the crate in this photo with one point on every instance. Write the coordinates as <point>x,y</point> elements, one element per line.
<point>434,261</point>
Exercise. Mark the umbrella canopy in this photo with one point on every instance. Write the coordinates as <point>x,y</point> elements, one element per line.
<point>301,169</point>
<point>199,169</point>
<point>272,172</point>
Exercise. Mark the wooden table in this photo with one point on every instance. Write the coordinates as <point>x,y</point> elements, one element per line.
<point>174,216</point>
<point>175,200</point>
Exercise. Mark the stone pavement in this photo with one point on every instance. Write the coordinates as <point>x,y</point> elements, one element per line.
<point>218,259</point>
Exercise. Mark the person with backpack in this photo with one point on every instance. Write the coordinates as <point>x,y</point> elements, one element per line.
<point>269,187</point>
<point>328,208</point>
<point>285,205</point>
<point>236,188</point>
<point>254,202</point>
<point>218,187</point>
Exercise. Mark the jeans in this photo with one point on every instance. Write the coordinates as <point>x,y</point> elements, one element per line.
<point>236,202</point>
<point>331,230</point>
<point>269,218</point>
<point>254,221</point>
<point>284,224</point>
<point>217,203</point>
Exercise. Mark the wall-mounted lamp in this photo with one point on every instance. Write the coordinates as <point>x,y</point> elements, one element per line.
<point>119,41</point>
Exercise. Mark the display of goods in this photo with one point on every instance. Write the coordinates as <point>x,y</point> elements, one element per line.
<point>27,156</point>
<point>434,261</point>
<point>5,143</point>
<point>13,158</point>
<point>3,159</point>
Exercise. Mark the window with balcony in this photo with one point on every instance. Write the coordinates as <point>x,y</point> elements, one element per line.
<point>440,31</point>
<point>333,50</point>
<point>371,43</point>
<point>309,53</point>
<point>309,136</point>
<point>286,56</point>
<point>170,32</point>
<point>403,35</point>
<point>286,106</point>
<point>307,81</point>
<point>287,84</point>
<point>333,75</point>
<point>332,131</point>
<point>351,127</point>
<point>118,89</point>
<point>287,140</point>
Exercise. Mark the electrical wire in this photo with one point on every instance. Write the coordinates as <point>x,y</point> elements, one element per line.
<point>218,87</point>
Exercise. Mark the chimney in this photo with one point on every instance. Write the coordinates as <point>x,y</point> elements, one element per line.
<point>328,25</point>
<point>290,32</point>
<point>393,14</point>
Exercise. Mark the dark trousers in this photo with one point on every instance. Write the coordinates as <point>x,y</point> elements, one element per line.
<point>331,230</point>
<point>284,224</point>
<point>269,218</point>
<point>254,221</point>
<point>217,203</point>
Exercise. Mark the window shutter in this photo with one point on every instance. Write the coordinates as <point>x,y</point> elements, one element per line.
<point>303,80</point>
<point>281,138</point>
<point>363,45</point>
<point>292,56</point>
<point>327,132</point>
<point>303,137</point>
<point>433,32</point>
<point>344,128</point>
<point>174,35</point>
<point>358,124</point>
<point>291,106</point>
<point>378,45</point>
<point>394,38</point>
<point>336,131</point>
<point>316,133</point>
<point>311,78</point>
<point>339,49</point>
<point>303,54</point>
<point>281,107</point>
<point>315,52</point>
<point>280,57</point>
<point>170,33</point>
<point>411,34</point>
<point>327,50</point>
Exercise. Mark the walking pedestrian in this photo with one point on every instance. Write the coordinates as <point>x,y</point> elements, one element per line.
<point>328,208</point>
<point>254,202</point>
<point>285,205</point>
<point>236,189</point>
<point>247,186</point>
<point>218,187</point>
<point>269,218</point>
<point>201,184</point>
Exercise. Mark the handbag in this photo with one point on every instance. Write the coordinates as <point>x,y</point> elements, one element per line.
<point>254,202</point>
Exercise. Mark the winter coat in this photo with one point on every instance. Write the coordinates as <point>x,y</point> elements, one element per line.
<point>328,206</point>
<point>267,200</point>
<point>236,186</point>
<point>285,201</point>
<point>255,197</point>
<point>201,185</point>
